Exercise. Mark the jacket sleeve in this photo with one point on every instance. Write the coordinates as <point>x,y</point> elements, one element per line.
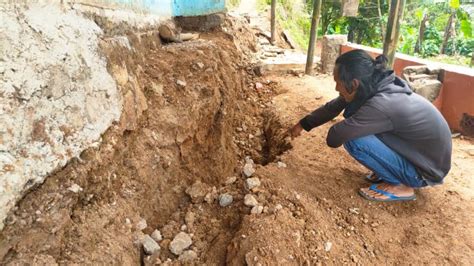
<point>323,114</point>
<point>368,120</point>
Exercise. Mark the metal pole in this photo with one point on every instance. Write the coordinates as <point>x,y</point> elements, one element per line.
<point>272,22</point>
<point>313,35</point>
<point>393,30</point>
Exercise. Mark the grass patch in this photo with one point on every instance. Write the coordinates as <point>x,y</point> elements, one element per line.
<point>293,17</point>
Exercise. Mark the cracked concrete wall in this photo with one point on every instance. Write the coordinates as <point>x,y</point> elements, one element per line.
<point>56,96</point>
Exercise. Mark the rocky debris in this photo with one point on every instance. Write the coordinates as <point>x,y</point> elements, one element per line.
<point>281,164</point>
<point>156,235</point>
<point>197,192</point>
<point>354,210</point>
<point>257,209</point>
<point>327,246</point>
<point>225,199</point>
<point>200,65</point>
<point>251,183</point>
<point>211,196</point>
<point>188,256</point>
<point>189,219</point>
<point>230,180</point>
<point>250,200</point>
<point>141,225</point>
<point>149,245</point>
<point>181,83</point>
<point>258,85</point>
<point>180,242</point>
<point>75,188</point>
<point>248,170</point>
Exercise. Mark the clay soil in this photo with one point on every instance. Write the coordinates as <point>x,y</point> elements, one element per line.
<point>197,134</point>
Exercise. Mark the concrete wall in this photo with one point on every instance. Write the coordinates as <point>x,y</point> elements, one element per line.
<point>457,93</point>
<point>56,96</point>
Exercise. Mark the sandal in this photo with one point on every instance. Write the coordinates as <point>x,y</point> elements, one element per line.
<point>391,197</point>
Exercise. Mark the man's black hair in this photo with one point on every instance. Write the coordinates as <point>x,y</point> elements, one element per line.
<point>358,64</point>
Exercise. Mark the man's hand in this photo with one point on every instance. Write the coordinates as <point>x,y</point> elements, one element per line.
<point>295,131</point>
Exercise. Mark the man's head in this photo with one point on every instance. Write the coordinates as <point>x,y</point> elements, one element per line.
<point>354,72</point>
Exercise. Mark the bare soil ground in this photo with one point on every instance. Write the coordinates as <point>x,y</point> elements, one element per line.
<point>201,130</point>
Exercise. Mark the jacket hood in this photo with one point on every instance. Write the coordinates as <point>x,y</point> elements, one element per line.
<point>393,84</point>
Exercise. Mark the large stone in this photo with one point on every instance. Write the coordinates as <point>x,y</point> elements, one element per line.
<point>188,256</point>
<point>250,200</point>
<point>225,200</point>
<point>428,88</point>
<point>424,80</point>
<point>180,242</point>
<point>251,183</point>
<point>197,192</point>
<point>330,51</point>
<point>248,170</point>
<point>149,245</point>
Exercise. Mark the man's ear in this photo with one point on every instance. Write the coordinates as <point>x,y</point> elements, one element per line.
<point>355,85</point>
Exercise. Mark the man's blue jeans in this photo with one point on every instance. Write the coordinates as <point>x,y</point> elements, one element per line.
<point>384,162</point>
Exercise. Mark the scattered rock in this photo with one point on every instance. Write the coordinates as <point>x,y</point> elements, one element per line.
<point>184,227</point>
<point>354,210</point>
<point>188,256</point>
<point>181,83</point>
<point>156,235</point>
<point>230,180</point>
<point>257,209</point>
<point>225,199</point>
<point>141,225</point>
<point>281,165</point>
<point>189,218</point>
<point>278,207</point>
<point>248,170</point>
<point>211,196</point>
<point>249,200</point>
<point>258,85</point>
<point>251,183</point>
<point>149,245</point>
<point>75,188</point>
<point>197,192</point>
<point>200,65</point>
<point>180,242</point>
<point>327,246</point>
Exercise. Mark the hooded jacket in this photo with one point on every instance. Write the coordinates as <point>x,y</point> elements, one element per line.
<point>403,120</point>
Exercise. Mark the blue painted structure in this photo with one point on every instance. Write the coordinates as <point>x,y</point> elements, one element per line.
<point>197,7</point>
<point>176,7</point>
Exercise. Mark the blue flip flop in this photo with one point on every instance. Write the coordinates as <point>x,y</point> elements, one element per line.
<point>391,197</point>
<point>375,180</point>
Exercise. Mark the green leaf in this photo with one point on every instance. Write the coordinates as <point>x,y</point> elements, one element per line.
<point>454,4</point>
<point>466,28</point>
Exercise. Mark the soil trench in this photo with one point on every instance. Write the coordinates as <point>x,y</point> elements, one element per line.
<point>191,114</point>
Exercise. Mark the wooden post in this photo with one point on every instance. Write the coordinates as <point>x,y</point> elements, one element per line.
<point>393,30</point>
<point>272,22</point>
<point>313,36</point>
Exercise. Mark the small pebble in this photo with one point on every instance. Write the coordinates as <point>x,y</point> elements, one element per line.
<point>225,200</point>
